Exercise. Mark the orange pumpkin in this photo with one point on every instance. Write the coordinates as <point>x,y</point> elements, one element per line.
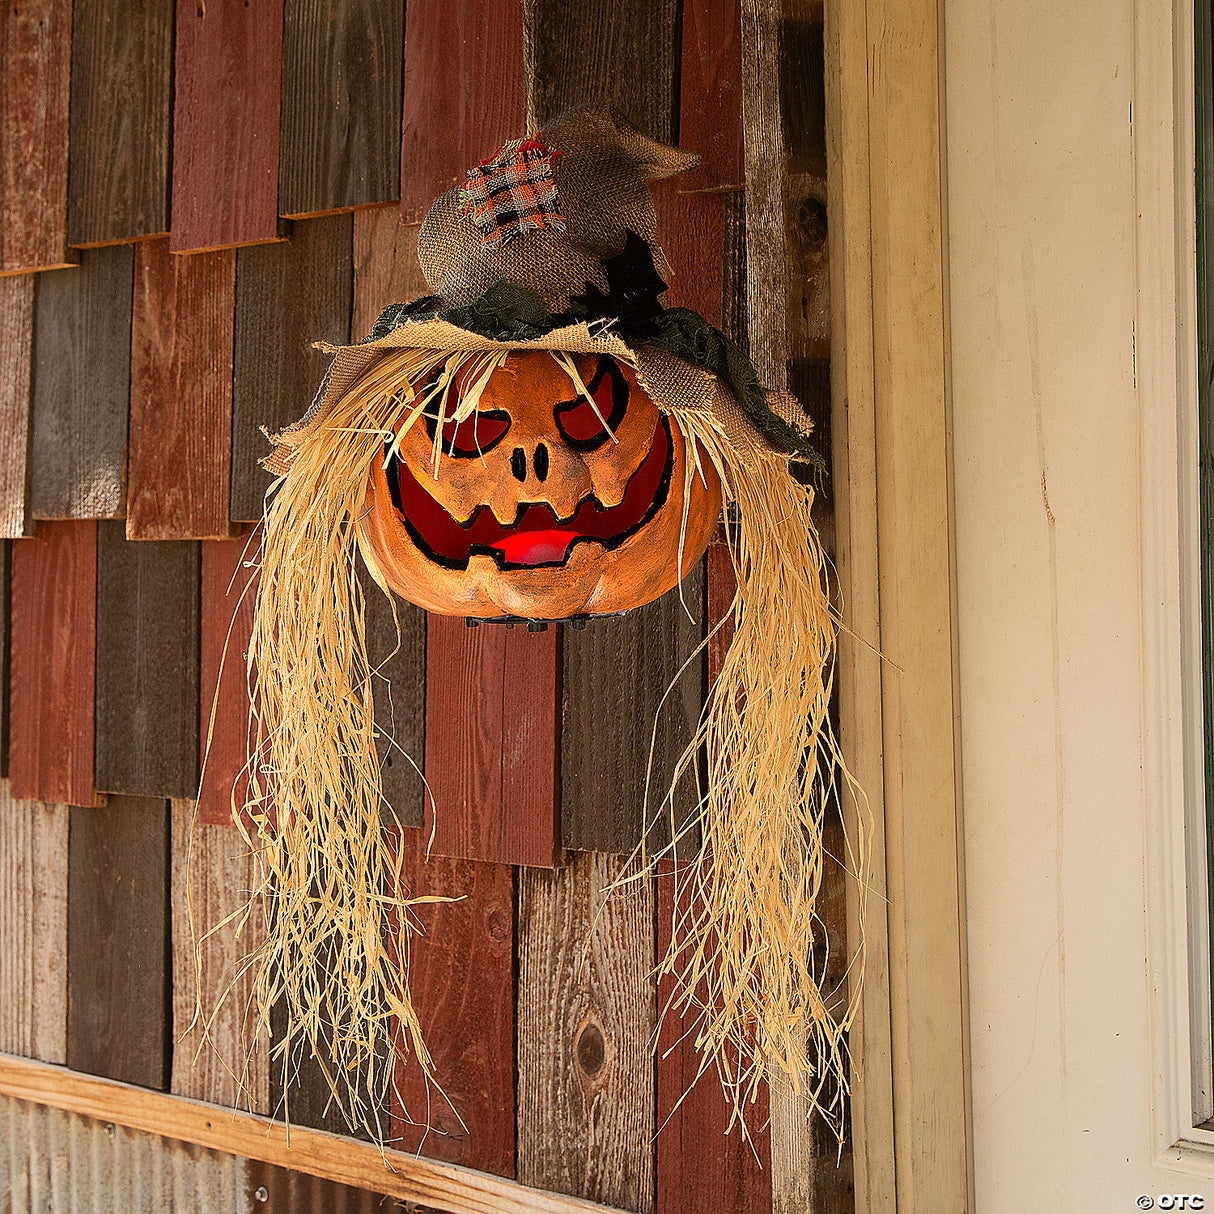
<point>542,506</point>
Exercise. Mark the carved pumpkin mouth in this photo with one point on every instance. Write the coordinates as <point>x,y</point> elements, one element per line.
<point>537,537</point>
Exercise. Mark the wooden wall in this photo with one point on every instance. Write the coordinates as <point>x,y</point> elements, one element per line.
<point>209,190</point>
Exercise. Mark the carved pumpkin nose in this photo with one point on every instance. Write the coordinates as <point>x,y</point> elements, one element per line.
<point>539,463</point>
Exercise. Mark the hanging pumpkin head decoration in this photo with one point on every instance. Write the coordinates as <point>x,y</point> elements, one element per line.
<point>543,438</point>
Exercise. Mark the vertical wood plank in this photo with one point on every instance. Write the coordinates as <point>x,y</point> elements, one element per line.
<point>611,672</point>
<point>396,652</point>
<point>530,671</point>
<point>796,1148</point>
<point>341,104</point>
<point>212,872</point>
<point>121,120</point>
<point>854,472</point>
<point>147,665</point>
<point>118,948</point>
<point>455,117</point>
<point>35,88</point>
<point>691,207</point>
<point>461,977</point>
<point>615,674</point>
<point>921,732</point>
<point>179,474</point>
<point>621,50</point>
<point>54,581</point>
<point>228,587</point>
<point>82,387</point>
<point>33,928</point>
<point>16,386</point>
<point>701,1163</point>
<point>287,296</point>
<point>228,74</point>
<point>490,695</point>
<point>586,1013</point>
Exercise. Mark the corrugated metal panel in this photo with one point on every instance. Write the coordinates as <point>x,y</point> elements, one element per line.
<point>53,1162</point>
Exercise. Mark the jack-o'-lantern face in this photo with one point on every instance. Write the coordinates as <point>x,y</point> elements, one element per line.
<point>543,504</point>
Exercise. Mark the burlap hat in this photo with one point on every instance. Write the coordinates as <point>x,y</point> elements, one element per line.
<point>552,244</point>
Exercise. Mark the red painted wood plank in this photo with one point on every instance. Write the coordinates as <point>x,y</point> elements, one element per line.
<point>691,207</point>
<point>700,1164</point>
<point>180,453</point>
<point>54,631</point>
<point>493,787</point>
<point>228,593</point>
<point>460,114</point>
<point>529,743</point>
<point>462,984</point>
<point>36,51</point>
<point>225,123</point>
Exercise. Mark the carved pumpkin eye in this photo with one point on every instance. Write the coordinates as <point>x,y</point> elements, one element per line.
<point>476,434</point>
<point>580,425</point>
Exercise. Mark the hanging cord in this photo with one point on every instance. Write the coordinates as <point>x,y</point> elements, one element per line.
<point>528,7</point>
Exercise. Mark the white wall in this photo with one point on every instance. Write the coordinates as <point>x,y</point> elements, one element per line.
<point>1043,201</point>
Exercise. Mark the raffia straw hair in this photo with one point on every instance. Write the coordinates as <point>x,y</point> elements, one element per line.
<point>748,951</point>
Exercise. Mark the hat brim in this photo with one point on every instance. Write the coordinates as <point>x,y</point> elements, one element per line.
<point>674,383</point>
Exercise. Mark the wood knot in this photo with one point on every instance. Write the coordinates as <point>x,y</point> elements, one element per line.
<point>591,1050</point>
<point>500,924</point>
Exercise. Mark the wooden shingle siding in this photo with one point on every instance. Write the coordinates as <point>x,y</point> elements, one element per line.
<point>16,382</point>
<point>33,929</point>
<point>586,1014</point>
<point>462,983</point>
<point>341,104</point>
<point>287,296</point>
<point>121,120</point>
<point>225,626</point>
<point>119,1015</point>
<point>52,656</point>
<point>535,986</point>
<point>82,387</point>
<point>36,50</point>
<point>179,471</point>
<point>460,114</point>
<point>226,104</point>
<point>147,665</point>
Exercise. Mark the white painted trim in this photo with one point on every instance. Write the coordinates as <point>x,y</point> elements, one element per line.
<point>1178,965</point>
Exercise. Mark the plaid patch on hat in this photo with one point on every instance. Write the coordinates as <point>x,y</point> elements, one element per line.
<point>512,192</point>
